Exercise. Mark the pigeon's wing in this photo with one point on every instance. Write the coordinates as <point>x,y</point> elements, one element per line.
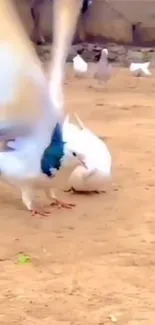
<point>24,93</point>
<point>21,75</point>
<point>65,16</point>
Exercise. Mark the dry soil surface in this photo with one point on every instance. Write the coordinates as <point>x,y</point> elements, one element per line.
<point>94,264</point>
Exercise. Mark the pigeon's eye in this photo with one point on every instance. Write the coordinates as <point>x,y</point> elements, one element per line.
<point>74,154</point>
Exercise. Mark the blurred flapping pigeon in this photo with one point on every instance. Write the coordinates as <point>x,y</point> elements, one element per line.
<point>37,148</point>
<point>140,69</point>
<point>98,162</point>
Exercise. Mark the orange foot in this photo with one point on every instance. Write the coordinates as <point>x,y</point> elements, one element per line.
<point>61,204</point>
<point>39,212</point>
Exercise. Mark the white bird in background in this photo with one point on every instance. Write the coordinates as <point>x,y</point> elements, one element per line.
<point>98,161</point>
<point>79,65</point>
<point>103,68</point>
<point>140,69</point>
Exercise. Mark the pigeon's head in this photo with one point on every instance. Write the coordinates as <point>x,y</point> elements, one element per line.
<point>104,54</point>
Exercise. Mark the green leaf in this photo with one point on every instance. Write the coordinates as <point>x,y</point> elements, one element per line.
<point>24,259</point>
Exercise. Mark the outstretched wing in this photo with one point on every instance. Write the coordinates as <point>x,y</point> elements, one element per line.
<point>65,16</point>
<point>21,76</point>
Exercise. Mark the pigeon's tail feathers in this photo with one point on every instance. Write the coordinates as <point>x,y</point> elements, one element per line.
<point>146,72</point>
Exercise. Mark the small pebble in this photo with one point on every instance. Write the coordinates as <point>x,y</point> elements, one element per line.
<point>113,318</point>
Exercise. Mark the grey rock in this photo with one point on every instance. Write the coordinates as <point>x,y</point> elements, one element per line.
<point>152,60</point>
<point>119,49</point>
<point>135,56</point>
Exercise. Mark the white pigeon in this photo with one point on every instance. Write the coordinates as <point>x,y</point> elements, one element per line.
<point>140,69</point>
<point>103,68</point>
<point>92,176</point>
<point>79,65</point>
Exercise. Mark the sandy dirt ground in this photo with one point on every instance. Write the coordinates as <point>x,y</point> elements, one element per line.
<point>94,264</point>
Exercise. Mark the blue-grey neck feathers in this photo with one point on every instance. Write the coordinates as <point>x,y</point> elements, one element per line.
<point>51,159</point>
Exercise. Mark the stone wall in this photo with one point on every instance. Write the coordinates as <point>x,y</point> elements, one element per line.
<point>121,21</point>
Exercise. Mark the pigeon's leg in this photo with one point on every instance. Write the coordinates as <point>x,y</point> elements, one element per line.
<point>100,85</point>
<point>96,84</point>
<point>28,200</point>
<point>60,204</point>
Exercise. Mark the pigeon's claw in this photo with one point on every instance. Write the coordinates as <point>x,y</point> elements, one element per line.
<point>71,190</point>
<point>39,212</point>
<point>61,204</point>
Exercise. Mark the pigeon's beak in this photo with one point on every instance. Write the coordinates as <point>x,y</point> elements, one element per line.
<point>83,163</point>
